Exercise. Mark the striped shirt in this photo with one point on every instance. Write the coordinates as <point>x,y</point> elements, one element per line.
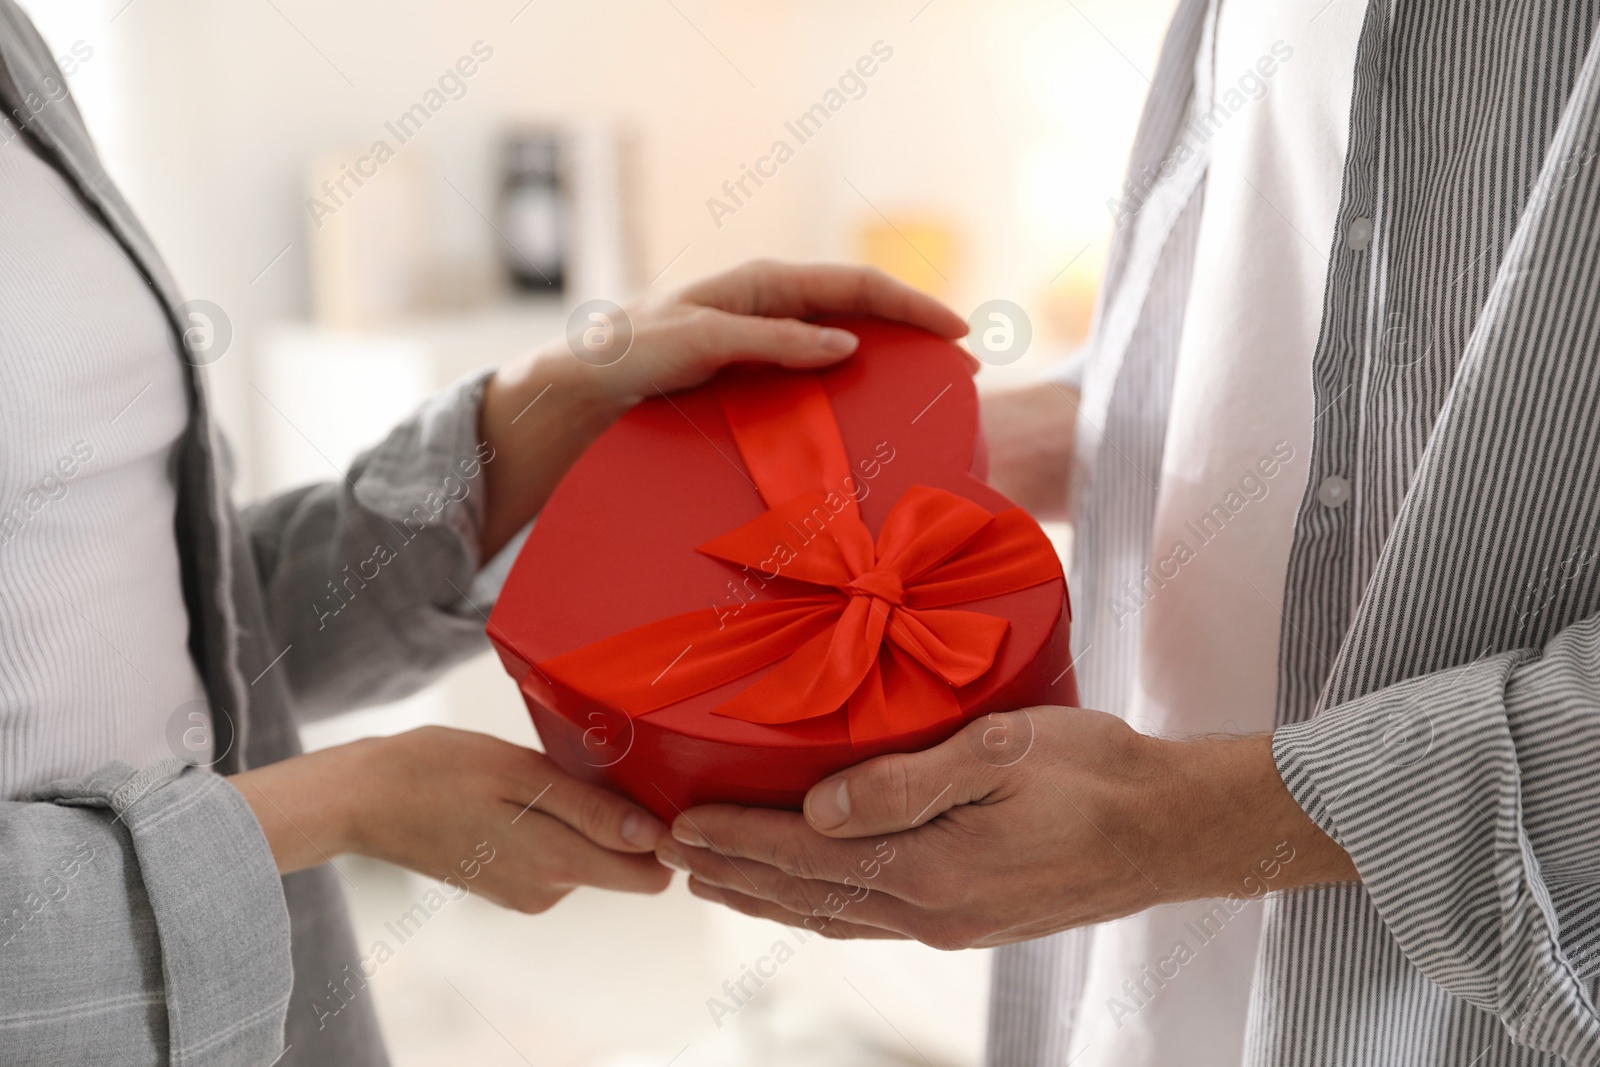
<point>94,633</point>
<point>1438,699</point>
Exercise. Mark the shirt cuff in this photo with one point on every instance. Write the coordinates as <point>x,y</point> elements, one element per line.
<point>485,588</point>
<point>427,470</point>
<point>1420,783</point>
<point>218,904</point>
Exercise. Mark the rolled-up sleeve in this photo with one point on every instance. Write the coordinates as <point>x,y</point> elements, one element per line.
<point>373,583</point>
<point>142,921</point>
<point>1469,800</point>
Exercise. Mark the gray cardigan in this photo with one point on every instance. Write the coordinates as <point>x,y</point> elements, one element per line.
<point>142,919</point>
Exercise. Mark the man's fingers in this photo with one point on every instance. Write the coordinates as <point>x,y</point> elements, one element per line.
<point>897,792</point>
<point>861,895</point>
<point>792,290</point>
<point>765,909</point>
<point>778,839</point>
<point>601,816</point>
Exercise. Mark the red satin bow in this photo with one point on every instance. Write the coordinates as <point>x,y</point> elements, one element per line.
<point>870,626</point>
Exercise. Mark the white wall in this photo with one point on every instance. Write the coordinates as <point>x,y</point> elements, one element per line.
<point>1010,120</point>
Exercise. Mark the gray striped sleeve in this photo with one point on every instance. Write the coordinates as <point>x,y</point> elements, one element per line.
<point>370,581</point>
<point>1473,462</point>
<point>143,923</point>
<point>1467,799</point>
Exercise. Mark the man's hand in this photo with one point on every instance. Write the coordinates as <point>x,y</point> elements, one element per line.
<point>489,816</point>
<point>754,313</point>
<point>1021,825</point>
<point>1031,433</point>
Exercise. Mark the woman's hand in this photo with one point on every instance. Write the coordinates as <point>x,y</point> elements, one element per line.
<point>439,801</point>
<point>542,411</point>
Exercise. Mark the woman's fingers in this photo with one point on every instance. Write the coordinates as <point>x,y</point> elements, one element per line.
<point>722,336</point>
<point>598,814</point>
<point>553,854</point>
<point>785,290</point>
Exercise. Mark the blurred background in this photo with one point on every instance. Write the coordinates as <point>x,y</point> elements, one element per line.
<point>376,198</point>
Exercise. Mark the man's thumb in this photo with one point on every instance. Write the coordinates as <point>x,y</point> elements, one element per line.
<point>896,792</point>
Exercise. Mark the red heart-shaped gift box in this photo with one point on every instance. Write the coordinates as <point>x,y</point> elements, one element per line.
<point>665,650</point>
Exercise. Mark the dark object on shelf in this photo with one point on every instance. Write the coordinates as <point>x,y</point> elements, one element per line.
<point>535,211</point>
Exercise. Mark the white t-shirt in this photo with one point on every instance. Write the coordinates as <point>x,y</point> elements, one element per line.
<point>94,655</point>
<point>1234,470</point>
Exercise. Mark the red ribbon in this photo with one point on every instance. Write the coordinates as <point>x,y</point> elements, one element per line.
<point>869,625</point>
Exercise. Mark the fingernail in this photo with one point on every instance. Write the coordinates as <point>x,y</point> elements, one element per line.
<point>640,830</point>
<point>689,835</point>
<point>672,859</point>
<point>828,804</point>
<point>840,341</point>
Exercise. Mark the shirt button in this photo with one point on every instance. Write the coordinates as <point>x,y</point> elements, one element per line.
<point>1359,235</point>
<point>1333,492</point>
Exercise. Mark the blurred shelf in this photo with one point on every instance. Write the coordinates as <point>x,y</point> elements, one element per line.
<point>331,392</point>
<point>467,340</point>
